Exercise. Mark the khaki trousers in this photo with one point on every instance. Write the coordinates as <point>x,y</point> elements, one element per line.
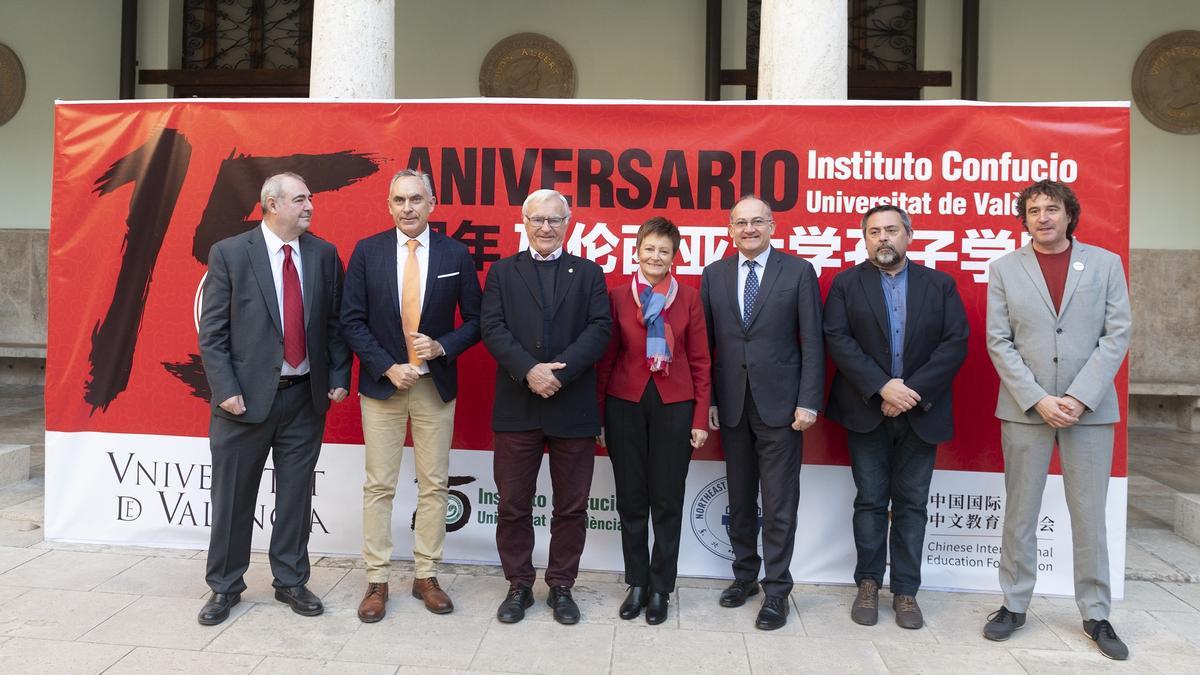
<point>384,427</point>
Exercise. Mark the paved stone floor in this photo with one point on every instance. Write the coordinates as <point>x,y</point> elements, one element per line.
<point>92,609</point>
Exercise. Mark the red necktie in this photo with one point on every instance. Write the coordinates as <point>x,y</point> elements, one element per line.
<point>293,312</point>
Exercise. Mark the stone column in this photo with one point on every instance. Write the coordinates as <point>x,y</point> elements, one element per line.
<point>353,49</point>
<point>802,49</point>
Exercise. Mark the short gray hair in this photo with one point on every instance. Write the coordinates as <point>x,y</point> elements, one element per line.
<point>882,208</point>
<point>273,187</point>
<point>545,194</point>
<point>413,173</point>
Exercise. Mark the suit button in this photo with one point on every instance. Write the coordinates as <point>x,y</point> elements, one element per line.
<point>1058,331</point>
<point>537,345</point>
<point>743,366</point>
<point>280,340</point>
<point>1056,359</point>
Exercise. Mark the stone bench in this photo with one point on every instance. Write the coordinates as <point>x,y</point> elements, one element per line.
<point>1177,401</point>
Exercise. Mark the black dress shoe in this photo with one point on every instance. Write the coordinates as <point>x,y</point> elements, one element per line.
<point>513,608</point>
<point>773,614</point>
<point>566,611</point>
<point>738,591</point>
<point>635,600</point>
<point>302,600</point>
<point>217,608</point>
<point>656,608</point>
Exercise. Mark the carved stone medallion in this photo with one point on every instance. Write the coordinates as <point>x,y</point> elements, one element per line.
<point>1166,82</point>
<point>12,84</point>
<point>527,65</point>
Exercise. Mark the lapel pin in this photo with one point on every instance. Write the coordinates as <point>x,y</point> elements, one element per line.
<point>1077,266</point>
<point>570,270</point>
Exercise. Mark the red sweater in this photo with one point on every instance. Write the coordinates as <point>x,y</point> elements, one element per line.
<point>623,371</point>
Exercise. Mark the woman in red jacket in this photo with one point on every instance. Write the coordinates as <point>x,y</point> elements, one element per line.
<point>654,390</point>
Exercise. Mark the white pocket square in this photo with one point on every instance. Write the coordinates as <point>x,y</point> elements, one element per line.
<point>443,276</point>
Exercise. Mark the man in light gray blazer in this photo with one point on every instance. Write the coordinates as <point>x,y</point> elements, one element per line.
<point>1058,323</point>
<point>763,312</point>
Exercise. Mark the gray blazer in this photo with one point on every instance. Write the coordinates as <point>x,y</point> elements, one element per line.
<point>1039,352</point>
<point>241,333</point>
<point>781,355</point>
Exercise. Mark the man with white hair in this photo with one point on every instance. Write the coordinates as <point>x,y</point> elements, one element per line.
<point>545,319</point>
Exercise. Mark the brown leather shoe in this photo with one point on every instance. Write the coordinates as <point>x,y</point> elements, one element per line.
<point>865,610</point>
<point>435,598</point>
<point>908,613</point>
<point>374,603</point>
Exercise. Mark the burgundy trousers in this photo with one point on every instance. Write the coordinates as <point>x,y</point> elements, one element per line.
<point>517,461</point>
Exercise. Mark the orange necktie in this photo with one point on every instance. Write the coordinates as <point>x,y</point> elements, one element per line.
<point>410,300</point>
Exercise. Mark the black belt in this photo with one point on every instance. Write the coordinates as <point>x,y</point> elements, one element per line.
<point>288,380</point>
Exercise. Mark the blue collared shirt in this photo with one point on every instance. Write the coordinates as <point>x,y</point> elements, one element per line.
<point>895,296</point>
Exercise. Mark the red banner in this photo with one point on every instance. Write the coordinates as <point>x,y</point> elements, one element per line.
<point>141,190</point>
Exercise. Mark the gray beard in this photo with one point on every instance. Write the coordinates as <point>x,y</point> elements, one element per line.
<point>886,257</point>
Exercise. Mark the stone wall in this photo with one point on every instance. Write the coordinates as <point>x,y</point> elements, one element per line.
<point>23,292</point>
<point>1164,362</point>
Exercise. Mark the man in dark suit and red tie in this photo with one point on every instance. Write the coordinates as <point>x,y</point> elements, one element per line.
<point>546,321</point>
<point>763,310</point>
<point>274,358</point>
<point>897,332</point>
<point>402,288</point>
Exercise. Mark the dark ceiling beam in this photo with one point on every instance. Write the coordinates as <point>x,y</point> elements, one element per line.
<point>970,51</point>
<point>129,15</point>
<point>712,51</point>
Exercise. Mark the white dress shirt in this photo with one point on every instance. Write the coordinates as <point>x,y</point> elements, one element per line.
<point>275,253</point>
<point>554,255</point>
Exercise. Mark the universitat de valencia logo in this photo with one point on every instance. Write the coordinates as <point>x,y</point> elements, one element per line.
<point>710,518</point>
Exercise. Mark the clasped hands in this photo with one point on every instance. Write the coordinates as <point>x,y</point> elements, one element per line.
<point>541,379</point>
<point>404,375</point>
<point>1060,412</point>
<point>897,398</point>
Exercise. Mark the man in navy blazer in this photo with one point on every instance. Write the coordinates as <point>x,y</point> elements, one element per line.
<point>402,288</point>
<point>762,308</point>
<point>897,333</point>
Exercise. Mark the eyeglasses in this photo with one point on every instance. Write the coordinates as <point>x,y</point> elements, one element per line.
<point>543,220</point>
<point>756,222</point>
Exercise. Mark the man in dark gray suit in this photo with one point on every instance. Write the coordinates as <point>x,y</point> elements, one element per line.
<point>274,359</point>
<point>763,310</point>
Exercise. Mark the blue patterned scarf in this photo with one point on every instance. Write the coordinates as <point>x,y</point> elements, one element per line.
<point>655,301</point>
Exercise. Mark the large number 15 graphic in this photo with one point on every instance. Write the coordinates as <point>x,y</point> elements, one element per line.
<point>157,170</point>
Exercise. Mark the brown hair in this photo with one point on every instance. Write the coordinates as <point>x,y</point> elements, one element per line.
<point>1051,189</point>
<point>662,227</point>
